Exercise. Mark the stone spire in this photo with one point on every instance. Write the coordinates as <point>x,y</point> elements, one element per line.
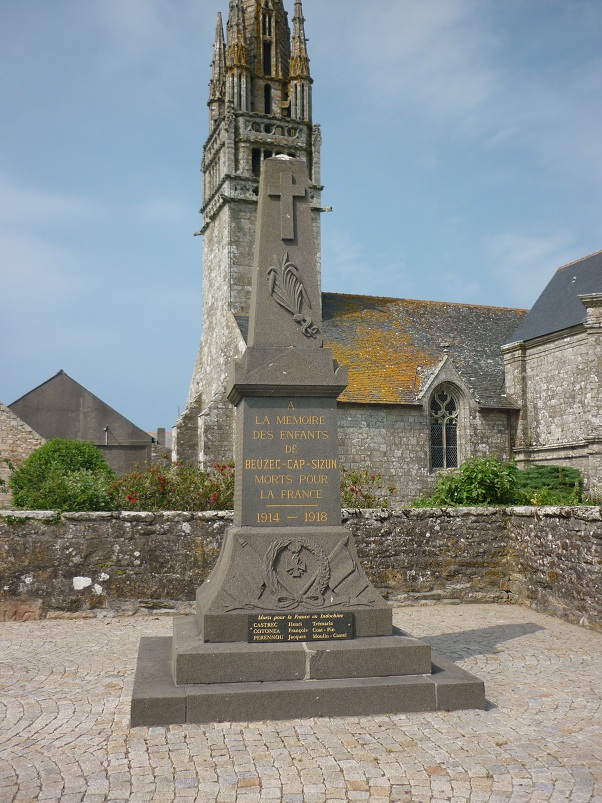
<point>251,121</point>
<point>217,84</point>
<point>237,58</point>
<point>300,79</point>
<point>299,67</point>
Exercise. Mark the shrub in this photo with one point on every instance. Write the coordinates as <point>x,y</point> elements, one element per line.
<point>62,475</point>
<point>362,488</point>
<point>478,481</point>
<point>551,485</point>
<point>593,497</point>
<point>175,486</point>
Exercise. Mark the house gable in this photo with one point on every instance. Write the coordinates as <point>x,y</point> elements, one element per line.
<point>62,408</point>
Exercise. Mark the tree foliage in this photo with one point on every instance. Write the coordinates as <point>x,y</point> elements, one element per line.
<point>490,481</point>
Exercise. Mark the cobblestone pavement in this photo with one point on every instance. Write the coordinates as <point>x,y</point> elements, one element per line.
<point>65,736</point>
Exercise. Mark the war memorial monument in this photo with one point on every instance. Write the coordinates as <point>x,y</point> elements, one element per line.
<point>288,624</point>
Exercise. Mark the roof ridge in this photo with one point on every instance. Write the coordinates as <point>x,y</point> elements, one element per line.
<point>581,259</point>
<point>425,301</point>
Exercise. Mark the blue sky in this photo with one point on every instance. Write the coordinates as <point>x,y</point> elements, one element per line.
<point>462,156</point>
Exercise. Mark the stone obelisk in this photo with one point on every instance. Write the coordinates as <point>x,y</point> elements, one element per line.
<point>288,624</point>
<point>287,552</point>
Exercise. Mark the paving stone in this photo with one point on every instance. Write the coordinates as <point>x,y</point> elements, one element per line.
<point>64,736</point>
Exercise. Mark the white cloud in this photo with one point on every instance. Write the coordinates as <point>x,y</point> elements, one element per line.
<point>346,268</point>
<point>522,265</point>
<point>43,269</point>
<point>436,54</point>
<point>136,29</point>
<point>446,65</point>
<point>156,41</point>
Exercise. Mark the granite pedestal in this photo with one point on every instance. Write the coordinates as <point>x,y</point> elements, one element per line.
<point>251,682</point>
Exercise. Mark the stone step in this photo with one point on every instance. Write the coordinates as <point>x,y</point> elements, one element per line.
<point>196,661</point>
<point>156,700</point>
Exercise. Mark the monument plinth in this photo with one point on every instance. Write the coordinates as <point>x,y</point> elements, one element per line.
<point>288,624</point>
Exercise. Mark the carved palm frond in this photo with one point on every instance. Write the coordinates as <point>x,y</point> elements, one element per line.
<point>287,289</point>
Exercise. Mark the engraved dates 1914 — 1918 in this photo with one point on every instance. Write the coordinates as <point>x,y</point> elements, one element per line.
<point>290,471</point>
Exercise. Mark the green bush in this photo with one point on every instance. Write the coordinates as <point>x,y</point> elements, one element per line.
<point>361,488</point>
<point>175,486</point>
<point>62,475</point>
<point>479,481</point>
<point>551,485</point>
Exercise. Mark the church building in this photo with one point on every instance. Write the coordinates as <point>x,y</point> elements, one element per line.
<point>429,385</point>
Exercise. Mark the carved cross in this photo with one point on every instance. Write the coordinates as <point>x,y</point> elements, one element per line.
<point>287,192</point>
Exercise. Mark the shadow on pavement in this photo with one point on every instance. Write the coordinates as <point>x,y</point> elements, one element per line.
<point>482,641</point>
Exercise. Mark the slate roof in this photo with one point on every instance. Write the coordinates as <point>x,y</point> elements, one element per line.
<point>62,408</point>
<point>393,346</point>
<point>558,307</point>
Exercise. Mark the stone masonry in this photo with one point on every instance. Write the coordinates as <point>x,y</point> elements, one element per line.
<point>87,564</point>
<point>17,441</point>
<point>399,352</point>
<point>394,441</point>
<point>557,382</point>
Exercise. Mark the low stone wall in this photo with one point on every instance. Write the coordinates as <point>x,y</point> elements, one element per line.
<point>115,563</point>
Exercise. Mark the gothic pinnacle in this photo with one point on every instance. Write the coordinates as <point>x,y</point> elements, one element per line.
<point>217,85</point>
<point>237,49</point>
<point>299,66</point>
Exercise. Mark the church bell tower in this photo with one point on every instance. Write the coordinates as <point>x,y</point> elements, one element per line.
<point>260,105</point>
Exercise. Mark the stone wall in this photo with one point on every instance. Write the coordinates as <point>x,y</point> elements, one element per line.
<point>86,564</point>
<point>556,380</point>
<point>17,441</point>
<point>395,441</point>
<point>391,440</point>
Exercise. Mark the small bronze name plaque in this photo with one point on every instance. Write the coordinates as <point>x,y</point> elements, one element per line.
<point>287,627</point>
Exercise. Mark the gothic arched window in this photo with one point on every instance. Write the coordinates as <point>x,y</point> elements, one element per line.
<point>267,21</point>
<point>444,429</point>
<point>267,58</point>
<point>267,98</point>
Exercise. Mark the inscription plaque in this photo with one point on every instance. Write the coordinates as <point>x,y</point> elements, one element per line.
<point>289,457</point>
<point>287,627</point>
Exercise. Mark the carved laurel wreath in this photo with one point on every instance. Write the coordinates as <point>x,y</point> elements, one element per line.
<point>287,289</point>
<point>317,582</point>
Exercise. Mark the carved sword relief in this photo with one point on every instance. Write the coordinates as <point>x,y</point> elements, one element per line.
<point>295,574</point>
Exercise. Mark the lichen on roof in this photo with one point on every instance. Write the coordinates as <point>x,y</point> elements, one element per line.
<point>391,346</point>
